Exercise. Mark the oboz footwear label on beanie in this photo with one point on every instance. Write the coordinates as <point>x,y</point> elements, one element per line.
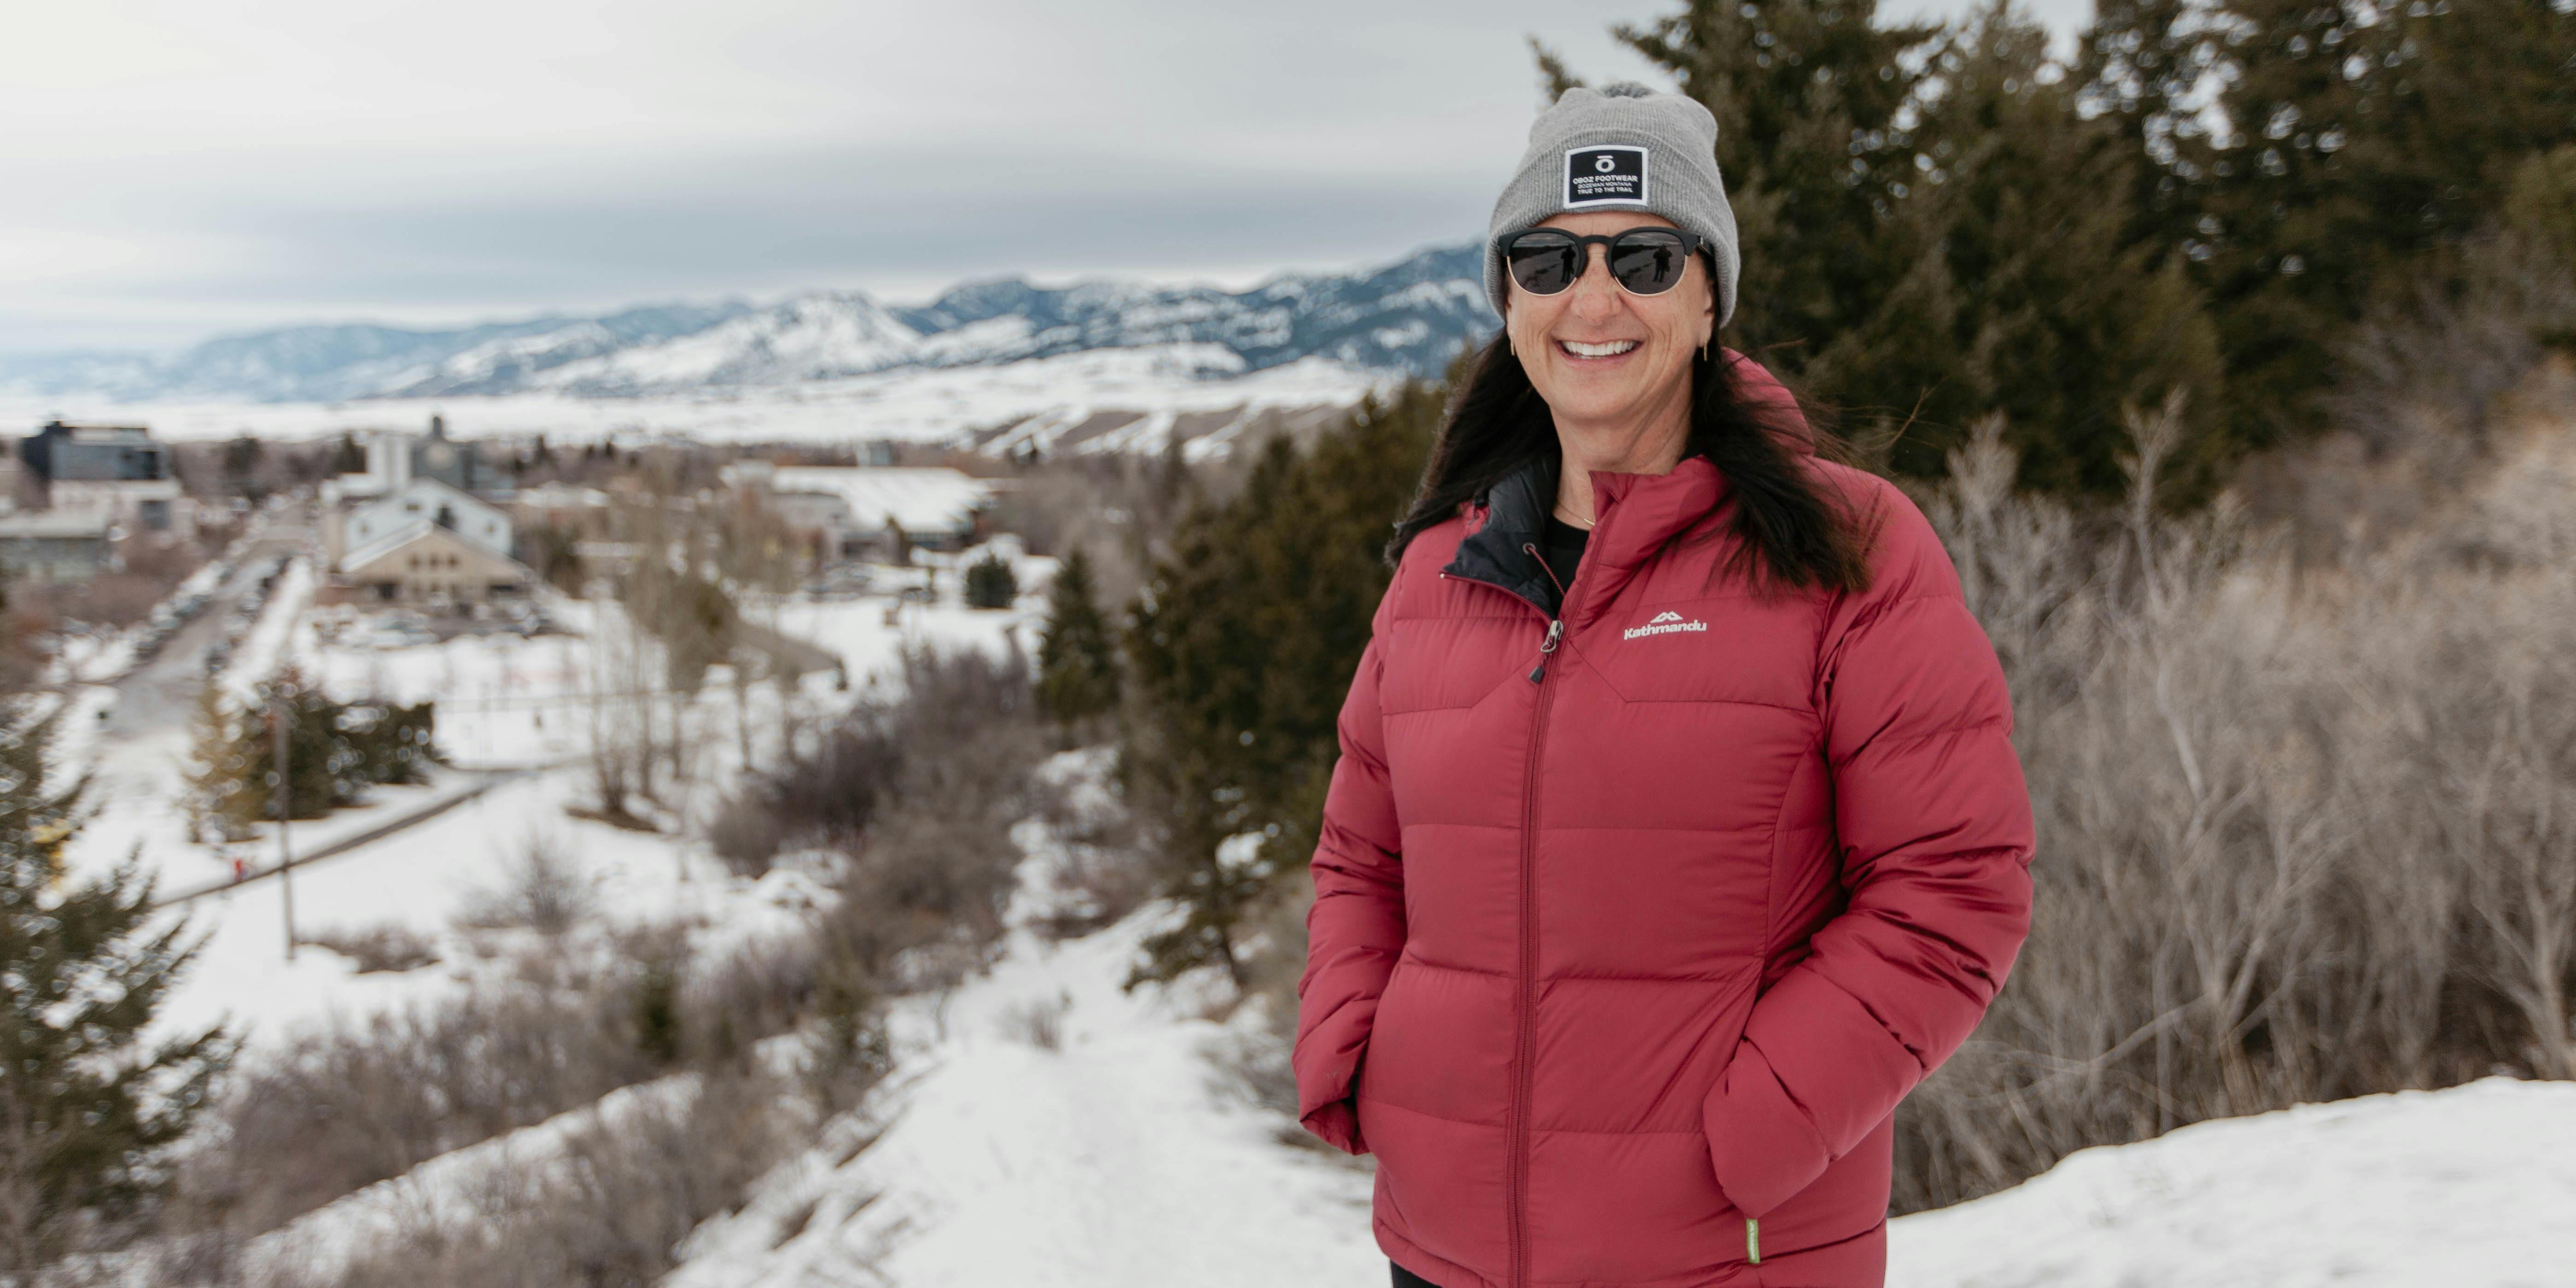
<point>1621,147</point>
<point>1597,175</point>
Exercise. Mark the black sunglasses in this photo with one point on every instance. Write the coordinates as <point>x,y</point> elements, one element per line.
<point>1646,261</point>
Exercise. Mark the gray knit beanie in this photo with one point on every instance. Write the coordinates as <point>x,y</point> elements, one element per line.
<point>1621,147</point>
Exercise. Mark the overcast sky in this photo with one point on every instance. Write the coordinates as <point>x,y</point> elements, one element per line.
<point>178,169</point>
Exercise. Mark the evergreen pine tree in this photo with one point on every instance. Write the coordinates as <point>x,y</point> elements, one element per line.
<point>1240,652</point>
<point>2363,143</point>
<point>990,583</point>
<point>2059,317</point>
<point>1077,664</point>
<point>1808,96</point>
<point>87,1108</point>
<point>347,457</point>
<point>334,753</point>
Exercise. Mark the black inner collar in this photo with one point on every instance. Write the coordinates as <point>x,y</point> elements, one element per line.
<point>1517,511</point>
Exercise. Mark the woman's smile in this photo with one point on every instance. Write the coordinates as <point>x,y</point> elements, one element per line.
<point>1598,351</point>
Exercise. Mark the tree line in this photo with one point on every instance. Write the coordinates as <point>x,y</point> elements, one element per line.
<point>2218,196</point>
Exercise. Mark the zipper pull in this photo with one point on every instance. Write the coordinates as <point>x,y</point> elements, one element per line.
<point>1555,631</point>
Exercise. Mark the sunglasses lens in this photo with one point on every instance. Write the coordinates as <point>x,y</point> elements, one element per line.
<point>1543,264</point>
<point>1649,262</point>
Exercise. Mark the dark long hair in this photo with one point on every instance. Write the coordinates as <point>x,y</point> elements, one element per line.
<point>1793,531</point>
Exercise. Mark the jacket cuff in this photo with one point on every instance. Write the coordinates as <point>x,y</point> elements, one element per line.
<point>1326,1083</point>
<point>1338,1124</point>
<point>1760,1142</point>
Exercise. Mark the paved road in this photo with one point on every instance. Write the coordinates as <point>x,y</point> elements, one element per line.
<point>162,693</point>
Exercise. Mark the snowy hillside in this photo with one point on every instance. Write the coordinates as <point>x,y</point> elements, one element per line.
<point>1409,316</point>
<point>1045,401</point>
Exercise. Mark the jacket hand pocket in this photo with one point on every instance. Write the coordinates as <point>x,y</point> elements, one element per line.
<point>1761,1142</point>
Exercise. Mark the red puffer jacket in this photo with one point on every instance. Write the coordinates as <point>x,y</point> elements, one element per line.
<point>1630,930</point>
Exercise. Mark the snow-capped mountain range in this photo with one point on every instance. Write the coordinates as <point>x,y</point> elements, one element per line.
<point>1410,316</point>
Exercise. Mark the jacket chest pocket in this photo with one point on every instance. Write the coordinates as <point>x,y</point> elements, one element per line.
<point>1440,662</point>
<point>1725,649</point>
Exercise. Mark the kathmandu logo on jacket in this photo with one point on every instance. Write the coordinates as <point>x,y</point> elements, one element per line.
<point>1664,624</point>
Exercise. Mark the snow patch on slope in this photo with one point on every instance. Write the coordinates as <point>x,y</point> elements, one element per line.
<point>2474,1185</point>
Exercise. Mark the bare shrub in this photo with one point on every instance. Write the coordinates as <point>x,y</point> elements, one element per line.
<point>2306,833</point>
<point>610,1207</point>
<point>1037,1021</point>
<point>341,1108</point>
<point>924,887</point>
<point>542,889</point>
<point>1252,1061</point>
<point>827,793</point>
<point>387,946</point>
<point>747,832</point>
<point>347,1107</point>
<point>1096,871</point>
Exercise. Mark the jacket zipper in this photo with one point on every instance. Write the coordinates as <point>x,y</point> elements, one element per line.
<point>1525,1041</point>
<point>1525,1052</point>
<point>1525,1056</point>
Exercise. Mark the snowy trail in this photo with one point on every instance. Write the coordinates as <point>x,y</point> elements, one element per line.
<point>1113,1160</point>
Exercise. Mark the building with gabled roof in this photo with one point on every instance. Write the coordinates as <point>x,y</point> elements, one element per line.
<point>424,543</point>
<point>363,521</point>
<point>422,563</point>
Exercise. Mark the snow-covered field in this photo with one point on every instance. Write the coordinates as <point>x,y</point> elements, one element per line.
<point>934,404</point>
<point>513,723</point>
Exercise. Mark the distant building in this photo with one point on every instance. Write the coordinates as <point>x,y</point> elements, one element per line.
<point>426,544</point>
<point>841,512</point>
<point>94,453</point>
<point>560,505</point>
<point>364,521</point>
<point>395,459</point>
<point>425,565</point>
<point>114,475</point>
<point>53,546</point>
<point>137,505</point>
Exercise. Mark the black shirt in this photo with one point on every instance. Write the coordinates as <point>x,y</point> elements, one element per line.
<point>1561,548</point>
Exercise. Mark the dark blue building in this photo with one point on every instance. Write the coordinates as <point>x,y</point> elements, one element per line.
<point>94,454</point>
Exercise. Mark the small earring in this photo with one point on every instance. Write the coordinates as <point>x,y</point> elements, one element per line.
<point>1703,350</point>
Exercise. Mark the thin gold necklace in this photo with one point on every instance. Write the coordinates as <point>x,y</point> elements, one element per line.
<point>1571,521</point>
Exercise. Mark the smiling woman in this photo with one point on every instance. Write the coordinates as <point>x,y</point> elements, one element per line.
<point>1677,831</point>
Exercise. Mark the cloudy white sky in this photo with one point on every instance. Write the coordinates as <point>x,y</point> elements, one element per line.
<point>178,169</point>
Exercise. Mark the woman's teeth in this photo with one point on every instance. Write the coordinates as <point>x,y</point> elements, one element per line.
<point>1611,350</point>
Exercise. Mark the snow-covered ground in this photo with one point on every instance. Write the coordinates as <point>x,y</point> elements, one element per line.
<point>2469,1187</point>
<point>1044,1126</point>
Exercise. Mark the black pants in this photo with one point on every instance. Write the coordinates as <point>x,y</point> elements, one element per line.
<point>1407,1279</point>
